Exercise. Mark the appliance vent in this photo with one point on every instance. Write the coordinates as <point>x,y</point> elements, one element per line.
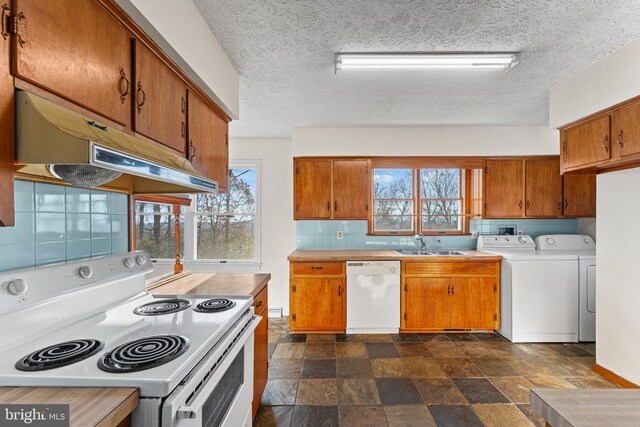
<point>84,175</point>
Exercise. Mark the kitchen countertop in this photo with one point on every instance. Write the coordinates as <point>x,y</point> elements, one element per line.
<point>368,255</point>
<point>88,406</point>
<point>215,284</point>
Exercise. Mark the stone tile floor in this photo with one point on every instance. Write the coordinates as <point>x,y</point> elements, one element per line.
<point>414,379</point>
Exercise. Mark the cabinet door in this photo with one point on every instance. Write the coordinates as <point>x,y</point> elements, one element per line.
<point>587,143</point>
<point>504,188</point>
<point>626,130</point>
<point>351,189</point>
<point>160,100</point>
<point>474,303</point>
<point>312,189</point>
<point>579,195</point>
<point>427,303</point>
<point>7,215</point>
<point>77,50</point>
<point>543,184</point>
<point>208,141</point>
<point>260,360</point>
<point>317,304</point>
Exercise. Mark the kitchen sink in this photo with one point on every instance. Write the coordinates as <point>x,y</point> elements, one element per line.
<point>429,253</point>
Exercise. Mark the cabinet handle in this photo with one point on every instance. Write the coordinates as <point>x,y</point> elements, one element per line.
<point>123,92</point>
<point>339,290</point>
<point>184,106</point>
<point>183,131</point>
<point>528,204</point>
<point>144,97</point>
<point>605,144</point>
<point>192,151</point>
<point>620,141</point>
<point>559,206</point>
<point>6,16</point>
<point>453,289</point>
<point>316,268</point>
<point>566,203</point>
<point>520,204</point>
<point>259,304</point>
<point>329,206</point>
<point>449,290</point>
<point>335,206</point>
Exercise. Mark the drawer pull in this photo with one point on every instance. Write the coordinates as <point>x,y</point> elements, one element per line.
<point>259,304</point>
<point>316,268</point>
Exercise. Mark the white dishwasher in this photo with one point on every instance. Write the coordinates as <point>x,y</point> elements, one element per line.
<point>373,297</point>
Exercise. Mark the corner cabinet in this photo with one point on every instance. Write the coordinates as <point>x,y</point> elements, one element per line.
<point>331,188</point>
<point>76,50</point>
<point>208,147</point>
<point>160,110</point>
<point>317,297</point>
<point>450,296</point>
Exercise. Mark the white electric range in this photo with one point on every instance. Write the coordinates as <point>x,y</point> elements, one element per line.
<point>92,324</point>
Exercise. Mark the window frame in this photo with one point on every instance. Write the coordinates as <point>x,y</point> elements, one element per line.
<point>465,179</point>
<point>190,242</point>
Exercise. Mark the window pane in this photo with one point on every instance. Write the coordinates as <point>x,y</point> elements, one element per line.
<point>392,183</point>
<point>225,236</point>
<point>156,235</point>
<point>393,223</point>
<point>440,183</point>
<point>241,197</point>
<point>153,208</point>
<point>396,207</point>
<point>442,223</point>
<point>441,207</point>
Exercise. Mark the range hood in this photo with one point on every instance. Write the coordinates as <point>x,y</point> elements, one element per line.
<point>56,143</point>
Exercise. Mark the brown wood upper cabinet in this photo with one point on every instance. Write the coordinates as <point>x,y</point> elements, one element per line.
<point>7,215</point>
<point>587,143</point>
<point>331,188</point>
<point>77,50</point>
<point>160,101</point>
<point>208,147</point>
<point>503,189</point>
<point>543,188</point>
<point>579,195</point>
<point>626,130</point>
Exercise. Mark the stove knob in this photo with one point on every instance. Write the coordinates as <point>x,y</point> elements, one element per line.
<point>17,287</point>
<point>392,270</point>
<point>85,272</point>
<point>140,260</point>
<point>550,241</point>
<point>129,262</point>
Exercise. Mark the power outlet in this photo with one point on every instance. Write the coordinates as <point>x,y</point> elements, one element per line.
<point>340,235</point>
<point>475,235</point>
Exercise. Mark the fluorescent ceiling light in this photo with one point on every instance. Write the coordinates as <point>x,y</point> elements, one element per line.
<point>426,61</point>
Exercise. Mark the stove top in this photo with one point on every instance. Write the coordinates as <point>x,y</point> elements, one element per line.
<point>91,323</point>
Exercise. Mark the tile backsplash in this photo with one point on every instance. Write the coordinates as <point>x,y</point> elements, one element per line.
<point>55,224</point>
<point>322,234</point>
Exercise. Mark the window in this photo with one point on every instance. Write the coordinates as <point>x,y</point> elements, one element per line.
<point>156,231</point>
<point>226,225</point>
<point>428,201</point>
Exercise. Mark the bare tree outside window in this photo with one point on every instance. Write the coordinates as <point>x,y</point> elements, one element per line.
<point>225,222</point>
<point>393,192</point>
<point>440,199</point>
<point>155,230</point>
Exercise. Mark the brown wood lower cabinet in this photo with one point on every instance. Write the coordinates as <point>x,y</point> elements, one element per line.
<point>455,295</point>
<point>317,300</point>
<point>261,349</point>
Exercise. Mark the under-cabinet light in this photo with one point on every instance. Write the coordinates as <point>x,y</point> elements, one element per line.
<point>426,61</point>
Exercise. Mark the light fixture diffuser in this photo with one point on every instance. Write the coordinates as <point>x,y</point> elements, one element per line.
<point>426,61</point>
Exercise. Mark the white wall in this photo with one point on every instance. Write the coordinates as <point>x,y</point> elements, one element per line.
<point>180,30</point>
<point>612,80</point>
<point>278,238</point>
<point>617,275</point>
<point>425,141</point>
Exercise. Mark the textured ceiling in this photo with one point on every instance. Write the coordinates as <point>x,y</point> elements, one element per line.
<point>284,50</point>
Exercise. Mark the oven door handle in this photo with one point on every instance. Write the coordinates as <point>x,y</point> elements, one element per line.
<point>191,411</point>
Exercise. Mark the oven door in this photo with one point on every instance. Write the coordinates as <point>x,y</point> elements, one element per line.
<point>219,391</point>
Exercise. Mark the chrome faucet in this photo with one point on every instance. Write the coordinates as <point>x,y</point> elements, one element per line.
<point>423,244</point>
<point>439,242</point>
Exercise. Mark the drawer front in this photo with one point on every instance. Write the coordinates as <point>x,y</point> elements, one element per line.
<point>453,268</point>
<point>321,268</point>
<point>260,302</point>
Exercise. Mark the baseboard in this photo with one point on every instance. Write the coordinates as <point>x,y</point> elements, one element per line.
<point>613,377</point>
<point>275,311</point>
